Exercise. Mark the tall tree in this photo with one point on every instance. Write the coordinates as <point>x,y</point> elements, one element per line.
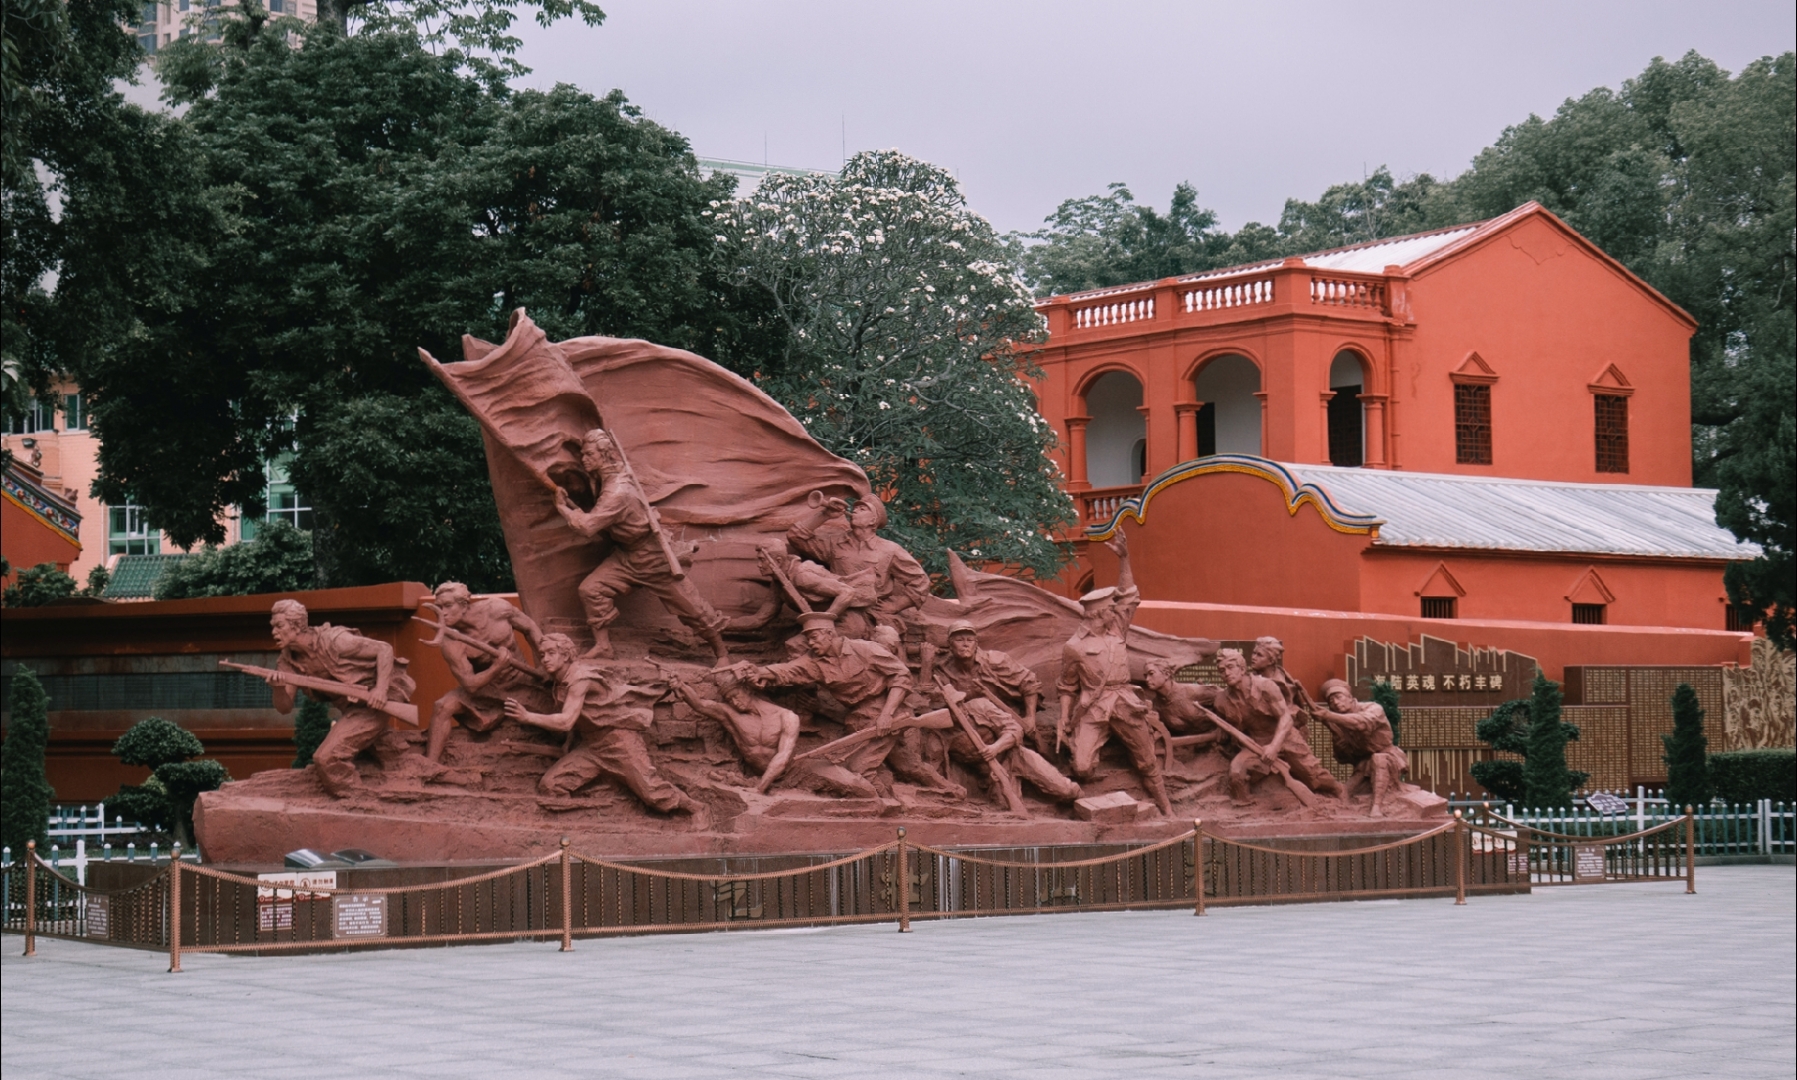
<point>1110,239</point>
<point>374,199</point>
<point>906,350</point>
<point>1546,781</point>
<point>25,791</point>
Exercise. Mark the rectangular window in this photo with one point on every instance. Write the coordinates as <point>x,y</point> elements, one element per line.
<point>285,503</point>
<point>150,13</point>
<point>38,417</point>
<point>1346,438</point>
<point>1612,415</point>
<point>1588,614</point>
<point>1207,429</point>
<point>1472,423</point>
<point>1741,618</point>
<point>275,7</point>
<point>147,42</point>
<point>127,533</point>
<point>74,412</point>
<point>1440,607</point>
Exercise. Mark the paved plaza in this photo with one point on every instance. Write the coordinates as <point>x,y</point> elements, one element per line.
<point>1599,981</point>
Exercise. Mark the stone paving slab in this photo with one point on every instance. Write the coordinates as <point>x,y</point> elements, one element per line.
<point>1613,981</point>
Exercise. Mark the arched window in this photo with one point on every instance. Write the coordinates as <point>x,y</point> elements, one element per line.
<point>1114,402</point>
<point>1347,413</point>
<point>1229,420</point>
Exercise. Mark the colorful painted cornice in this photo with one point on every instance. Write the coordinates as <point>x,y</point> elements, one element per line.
<point>33,500</point>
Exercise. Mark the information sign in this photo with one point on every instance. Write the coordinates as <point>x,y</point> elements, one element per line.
<point>274,906</point>
<point>1605,803</point>
<point>359,915</point>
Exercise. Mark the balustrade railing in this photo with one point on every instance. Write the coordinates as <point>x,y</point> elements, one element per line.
<point>1217,295</point>
<point>1101,504</point>
<point>1112,310</point>
<point>1347,293</point>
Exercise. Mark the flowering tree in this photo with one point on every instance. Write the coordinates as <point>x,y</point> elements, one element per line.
<point>906,349</point>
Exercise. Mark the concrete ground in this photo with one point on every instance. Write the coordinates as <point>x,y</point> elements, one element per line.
<point>1592,981</point>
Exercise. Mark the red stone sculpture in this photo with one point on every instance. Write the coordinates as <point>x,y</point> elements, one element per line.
<point>654,505</point>
<point>1363,739</point>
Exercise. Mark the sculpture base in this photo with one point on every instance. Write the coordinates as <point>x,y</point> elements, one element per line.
<point>258,821</point>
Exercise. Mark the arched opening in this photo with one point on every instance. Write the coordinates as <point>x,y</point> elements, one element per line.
<point>1114,402</point>
<point>1229,420</point>
<point>1347,413</point>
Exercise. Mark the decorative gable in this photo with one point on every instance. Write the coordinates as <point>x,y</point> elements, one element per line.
<point>1589,588</point>
<point>1441,582</point>
<point>1611,381</point>
<point>1474,370</point>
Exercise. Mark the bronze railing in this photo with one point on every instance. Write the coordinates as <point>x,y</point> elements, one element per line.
<point>566,895</point>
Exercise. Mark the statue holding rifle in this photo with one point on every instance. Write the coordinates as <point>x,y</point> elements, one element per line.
<point>356,674</point>
<point>642,556</point>
<point>478,639</point>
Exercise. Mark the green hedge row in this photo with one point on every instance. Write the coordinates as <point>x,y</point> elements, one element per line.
<point>1747,776</point>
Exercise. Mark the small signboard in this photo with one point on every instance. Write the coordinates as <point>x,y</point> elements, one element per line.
<point>1518,863</point>
<point>359,915</point>
<point>274,906</point>
<point>1588,863</point>
<point>98,917</point>
<point>1605,803</point>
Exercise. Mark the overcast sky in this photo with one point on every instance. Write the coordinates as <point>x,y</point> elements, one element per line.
<point>1033,103</point>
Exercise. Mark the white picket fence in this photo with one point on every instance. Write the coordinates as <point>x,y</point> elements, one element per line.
<point>69,824</point>
<point>75,861</point>
<point>1763,828</point>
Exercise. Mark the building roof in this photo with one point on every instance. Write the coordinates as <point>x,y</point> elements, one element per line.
<point>134,576</point>
<point>1368,258</point>
<point>1439,510</point>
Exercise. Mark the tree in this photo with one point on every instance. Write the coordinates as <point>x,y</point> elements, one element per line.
<point>1546,781</point>
<point>166,799</point>
<point>461,31</point>
<point>279,559</point>
<point>310,726</point>
<point>1377,207</point>
<point>1511,729</point>
<point>906,351</point>
<point>39,585</point>
<point>25,791</point>
<point>1386,695</point>
<point>373,199</point>
<point>1687,767</point>
<point>1104,240</point>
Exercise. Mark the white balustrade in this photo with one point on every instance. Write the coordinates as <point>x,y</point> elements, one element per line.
<point>1112,312</point>
<point>1215,296</point>
<point>1339,292</point>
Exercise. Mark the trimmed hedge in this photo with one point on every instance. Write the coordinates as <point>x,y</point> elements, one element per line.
<point>1747,776</point>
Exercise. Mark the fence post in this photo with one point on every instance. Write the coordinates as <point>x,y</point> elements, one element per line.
<point>1765,826</point>
<point>1690,851</point>
<point>174,909</point>
<point>31,898</point>
<point>903,885</point>
<point>1198,865</point>
<point>567,902</point>
<point>1460,842</point>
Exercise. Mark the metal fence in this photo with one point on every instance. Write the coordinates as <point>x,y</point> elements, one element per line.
<point>566,894</point>
<point>1746,829</point>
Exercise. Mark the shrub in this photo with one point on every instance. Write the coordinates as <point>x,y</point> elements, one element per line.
<point>1387,696</point>
<point>156,742</point>
<point>1512,728</point>
<point>279,559</point>
<point>1687,774</point>
<point>165,800</point>
<point>1747,776</point>
<point>25,792</point>
<point>309,729</point>
<point>40,585</point>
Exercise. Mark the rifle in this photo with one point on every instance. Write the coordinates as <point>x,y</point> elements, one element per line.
<point>399,710</point>
<point>445,630</point>
<point>791,590</point>
<point>667,549</point>
<point>870,733</point>
<point>1001,776</point>
<point>1293,784</point>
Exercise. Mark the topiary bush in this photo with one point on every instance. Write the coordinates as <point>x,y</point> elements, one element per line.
<point>1687,771</point>
<point>1747,776</point>
<point>164,801</point>
<point>310,726</point>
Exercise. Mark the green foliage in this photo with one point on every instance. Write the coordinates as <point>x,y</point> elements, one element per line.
<point>155,742</point>
<point>98,577</point>
<point>905,352</point>
<point>1386,695</point>
<point>1109,239</point>
<point>25,792</point>
<point>1542,773</point>
<point>147,805</point>
<point>463,32</point>
<point>39,585</point>
<point>166,799</point>
<point>1747,776</point>
<point>279,559</point>
<point>310,726</point>
<point>371,199</point>
<point>1687,772</point>
<point>1546,781</point>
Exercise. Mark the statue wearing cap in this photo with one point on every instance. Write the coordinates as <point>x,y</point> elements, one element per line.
<point>872,684</point>
<point>1364,740</point>
<point>853,550</point>
<point>1098,699</point>
<point>1001,698</point>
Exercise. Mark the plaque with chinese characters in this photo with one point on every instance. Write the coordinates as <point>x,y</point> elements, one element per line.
<point>1437,672</point>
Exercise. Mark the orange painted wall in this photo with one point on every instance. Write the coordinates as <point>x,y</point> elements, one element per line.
<point>1227,539</point>
<point>27,541</point>
<point>1316,641</point>
<point>1659,593</point>
<point>1549,318</point>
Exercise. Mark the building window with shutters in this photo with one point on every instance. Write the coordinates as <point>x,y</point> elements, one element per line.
<point>1612,419</point>
<point>1472,423</point>
<point>1440,607</point>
